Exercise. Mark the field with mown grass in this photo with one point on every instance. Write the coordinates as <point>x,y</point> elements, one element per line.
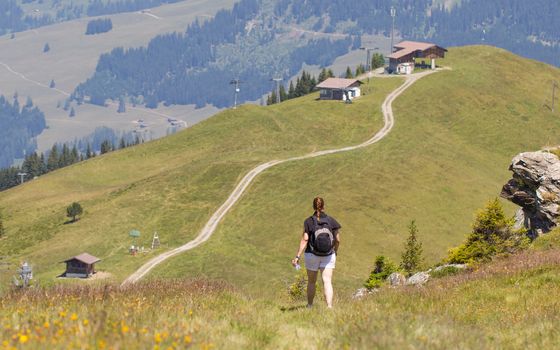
<point>170,185</point>
<point>511,303</point>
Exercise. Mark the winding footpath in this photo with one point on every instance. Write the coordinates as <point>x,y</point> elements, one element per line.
<point>211,225</point>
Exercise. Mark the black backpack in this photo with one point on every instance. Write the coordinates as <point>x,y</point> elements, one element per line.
<point>322,242</point>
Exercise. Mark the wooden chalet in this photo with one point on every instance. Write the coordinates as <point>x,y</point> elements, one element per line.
<point>403,60</point>
<point>339,89</point>
<point>80,266</point>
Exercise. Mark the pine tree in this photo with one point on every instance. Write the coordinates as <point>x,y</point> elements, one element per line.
<point>291,90</point>
<point>52,84</point>
<point>106,147</point>
<point>46,48</point>
<point>323,75</point>
<point>122,105</point>
<point>28,102</point>
<point>412,255</point>
<point>53,160</point>
<point>64,156</point>
<point>349,74</point>
<point>88,151</point>
<point>74,155</point>
<point>330,73</point>
<point>377,61</point>
<point>72,113</point>
<point>66,105</point>
<point>272,98</point>
<point>283,94</point>
<point>122,143</point>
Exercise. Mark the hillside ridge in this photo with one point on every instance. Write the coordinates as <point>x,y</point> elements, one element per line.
<point>213,222</point>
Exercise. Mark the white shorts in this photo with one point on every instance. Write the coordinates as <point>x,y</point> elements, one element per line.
<point>314,262</point>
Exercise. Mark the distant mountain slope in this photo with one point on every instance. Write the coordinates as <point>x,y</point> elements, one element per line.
<point>454,136</point>
<point>73,56</point>
<point>19,127</point>
<point>196,67</point>
<point>528,28</point>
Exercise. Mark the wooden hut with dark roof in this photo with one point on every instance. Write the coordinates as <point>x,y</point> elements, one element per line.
<point>80,266</point>
<point>403,60</point>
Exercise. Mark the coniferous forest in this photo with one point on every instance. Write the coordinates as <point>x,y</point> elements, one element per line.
<point>185,68</point>
<point>98,26</point>
<point>19,125</point>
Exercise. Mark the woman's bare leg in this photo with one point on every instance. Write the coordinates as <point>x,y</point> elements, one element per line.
<point>311,281</point>
<point>327,285</point>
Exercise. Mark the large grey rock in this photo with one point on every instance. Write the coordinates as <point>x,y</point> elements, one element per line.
<point>396,279</point>
<point>535,187</point>
<point>418,279</point>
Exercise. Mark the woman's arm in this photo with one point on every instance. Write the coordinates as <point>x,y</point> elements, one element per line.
<point>302,246</point>
<point>336,241</point>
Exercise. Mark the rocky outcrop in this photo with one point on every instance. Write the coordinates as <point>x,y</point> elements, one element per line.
<point>535,187</point>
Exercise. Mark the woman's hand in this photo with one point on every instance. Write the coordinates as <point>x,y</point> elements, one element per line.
<point>295,261</point>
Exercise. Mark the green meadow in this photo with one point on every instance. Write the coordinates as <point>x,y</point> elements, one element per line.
<point>455,134</point>
<point>170,185</point>
<point>511,303</point>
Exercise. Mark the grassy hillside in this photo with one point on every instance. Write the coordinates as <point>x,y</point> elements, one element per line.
<point>171,185</point>
<point>455,135</point>
<point>456,132</point>
<point>466,311</point>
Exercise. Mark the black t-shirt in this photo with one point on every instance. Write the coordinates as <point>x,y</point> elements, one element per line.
<point>309,227</point>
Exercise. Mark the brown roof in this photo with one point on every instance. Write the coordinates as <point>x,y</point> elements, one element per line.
<point>337,83</point>
<point>408,47</point>
<point>85,258</point>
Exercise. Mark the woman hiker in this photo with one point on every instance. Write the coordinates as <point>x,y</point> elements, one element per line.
<point>320,240</point>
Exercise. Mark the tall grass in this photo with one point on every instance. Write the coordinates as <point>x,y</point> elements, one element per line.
<point>510,303</point>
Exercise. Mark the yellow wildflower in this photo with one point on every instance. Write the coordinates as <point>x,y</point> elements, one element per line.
<point>85,322</point>
<point>74,317</point>
<point>124,329</point>
<point>46,324</point>
<point>157,338</point>
<point>187,339</point>
<point>23,338</point>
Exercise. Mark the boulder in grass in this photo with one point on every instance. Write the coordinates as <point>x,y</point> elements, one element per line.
<point>396,279</point>
<point>418,279</point>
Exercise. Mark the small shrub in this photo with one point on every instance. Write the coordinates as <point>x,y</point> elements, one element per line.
<point>492,234</point>
<point>382,269</point>
<point>297,290</point>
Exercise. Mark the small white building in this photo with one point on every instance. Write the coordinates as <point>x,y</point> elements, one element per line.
<point>339,89</point>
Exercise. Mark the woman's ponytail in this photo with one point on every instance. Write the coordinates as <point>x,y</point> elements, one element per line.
<point>319,206</point>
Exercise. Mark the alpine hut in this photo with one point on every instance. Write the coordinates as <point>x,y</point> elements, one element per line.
<point>80,266</point>
<point>403,59</point>
<point>339,89</point>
